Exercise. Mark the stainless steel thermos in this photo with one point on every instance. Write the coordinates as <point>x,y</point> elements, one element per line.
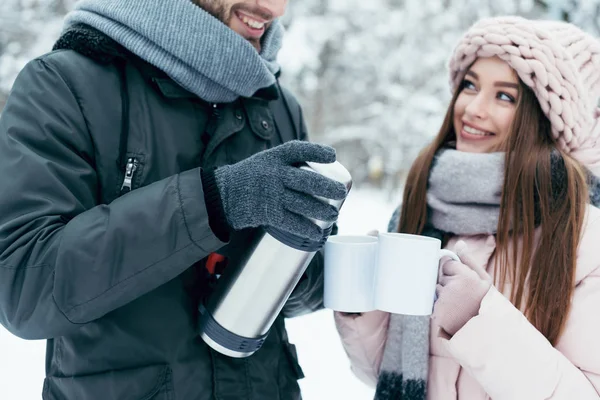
<point>255,286</point>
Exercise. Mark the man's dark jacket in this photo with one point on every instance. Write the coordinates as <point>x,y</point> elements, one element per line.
<point>112,277</point>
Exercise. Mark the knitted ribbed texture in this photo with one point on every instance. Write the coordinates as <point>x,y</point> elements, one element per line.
<point>216,213</point>
<point>459,297</point>
<point>468,202</point>
<point>195,49</point>
<point>557,60</point>
<point>405,364</point>
<point>268,189</point>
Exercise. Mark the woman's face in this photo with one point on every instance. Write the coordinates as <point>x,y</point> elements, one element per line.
<point>485,108</point>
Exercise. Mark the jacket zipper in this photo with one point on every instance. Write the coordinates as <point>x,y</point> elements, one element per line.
<point>211,127</point>
<point>130,168</point>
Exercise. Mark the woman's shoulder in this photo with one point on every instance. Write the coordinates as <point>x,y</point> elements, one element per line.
<point>588,257</point>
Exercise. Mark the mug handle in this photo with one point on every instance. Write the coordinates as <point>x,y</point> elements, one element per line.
<point>452,255</point>
<point>448,253</point>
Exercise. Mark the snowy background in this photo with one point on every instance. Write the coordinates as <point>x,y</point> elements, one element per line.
<point>370,74</point>
<point>371,77</point>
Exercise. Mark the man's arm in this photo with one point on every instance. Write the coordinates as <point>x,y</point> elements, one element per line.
<point>66,260</point>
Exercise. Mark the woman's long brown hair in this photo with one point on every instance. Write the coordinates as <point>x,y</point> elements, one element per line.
<point>542,275</point>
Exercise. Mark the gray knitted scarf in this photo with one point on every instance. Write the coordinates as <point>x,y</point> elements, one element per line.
<point>195,49</point>
<point>464,199</point>
<point>464,192</point>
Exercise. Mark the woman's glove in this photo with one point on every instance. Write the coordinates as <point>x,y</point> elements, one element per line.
<point>460,289</point>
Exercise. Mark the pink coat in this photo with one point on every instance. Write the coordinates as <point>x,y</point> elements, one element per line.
<point>498,354</point>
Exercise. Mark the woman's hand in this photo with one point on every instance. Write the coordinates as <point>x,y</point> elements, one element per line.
<point>460,289</point>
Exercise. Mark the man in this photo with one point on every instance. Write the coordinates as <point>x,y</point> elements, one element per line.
<point>147,141</point>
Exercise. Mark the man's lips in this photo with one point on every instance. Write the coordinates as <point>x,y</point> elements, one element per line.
<point>254,26</point>
<point>253,17</point>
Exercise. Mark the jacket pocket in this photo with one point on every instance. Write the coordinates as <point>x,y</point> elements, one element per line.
<point>289,373</point>
<point>256,135</point>
<point>152,382</point>
<point>292,359</point>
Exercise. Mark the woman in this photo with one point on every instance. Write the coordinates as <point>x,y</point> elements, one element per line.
<point>507,184</point>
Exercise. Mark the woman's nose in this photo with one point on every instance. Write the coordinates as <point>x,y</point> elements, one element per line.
<point>478,107</point>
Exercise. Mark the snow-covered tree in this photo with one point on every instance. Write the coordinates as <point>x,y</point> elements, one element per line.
<point>371,75</point>
<point>28,28</point>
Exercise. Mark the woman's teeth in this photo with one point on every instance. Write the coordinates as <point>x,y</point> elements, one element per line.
<point>474,131</point>
<point>252,23</point>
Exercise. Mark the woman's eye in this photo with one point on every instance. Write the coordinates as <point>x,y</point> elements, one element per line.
<point>467,84</point>
<point>506,97</point>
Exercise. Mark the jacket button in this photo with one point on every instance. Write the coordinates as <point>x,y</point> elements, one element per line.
<point>238,115</point>
<point>265,124</point>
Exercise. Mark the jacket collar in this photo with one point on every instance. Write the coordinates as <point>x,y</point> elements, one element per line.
<point>94,44</point>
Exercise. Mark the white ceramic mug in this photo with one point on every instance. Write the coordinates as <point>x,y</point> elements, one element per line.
<point>407,272</point>
<point>350,263</point>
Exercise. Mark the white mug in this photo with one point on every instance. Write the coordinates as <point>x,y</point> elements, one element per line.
<point>394,272</point>
<point>407,273</point>
<point>350,263</point>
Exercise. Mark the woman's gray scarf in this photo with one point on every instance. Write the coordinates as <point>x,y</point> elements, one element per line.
<point>464,192</point>
<point>195,49</point>
<point>464,199</point>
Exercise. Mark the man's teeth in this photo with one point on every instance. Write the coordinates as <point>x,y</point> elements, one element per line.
<point>252,23</point>
<point>474,131</point>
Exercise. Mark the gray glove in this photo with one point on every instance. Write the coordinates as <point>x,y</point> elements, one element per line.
<point>268,189</point>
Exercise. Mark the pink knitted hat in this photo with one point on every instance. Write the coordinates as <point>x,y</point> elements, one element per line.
<point>557,60</point>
